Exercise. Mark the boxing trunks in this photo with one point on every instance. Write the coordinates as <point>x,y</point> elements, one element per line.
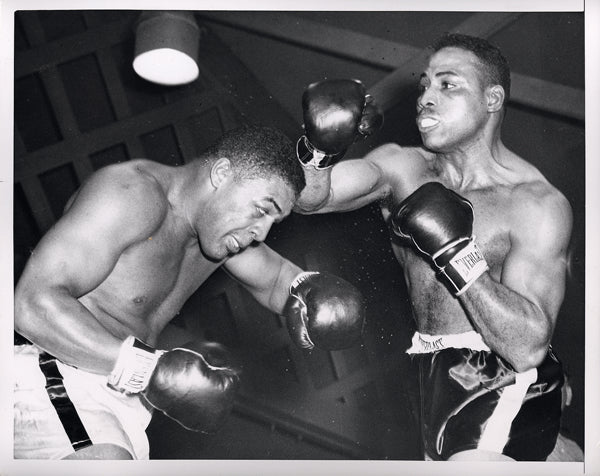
<point>59,409</point>
<point>470,399</point>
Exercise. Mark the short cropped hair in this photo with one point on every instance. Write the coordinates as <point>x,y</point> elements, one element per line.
<point>495,66</point>
<point>260,152</point>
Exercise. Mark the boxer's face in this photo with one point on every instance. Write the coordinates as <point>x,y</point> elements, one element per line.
<point>452,107</point>
<point>241,213</point>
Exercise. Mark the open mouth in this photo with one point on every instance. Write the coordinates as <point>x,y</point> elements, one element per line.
<point>232,244</point>
<point>427,123</point>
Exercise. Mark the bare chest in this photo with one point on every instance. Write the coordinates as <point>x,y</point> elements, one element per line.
<point>150,283</point>
<point>435,307</point>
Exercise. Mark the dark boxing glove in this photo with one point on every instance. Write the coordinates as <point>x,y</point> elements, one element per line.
<point>194,385</point>
<point>328,312</point>
<point>440,224</point>
<point>336,112</point>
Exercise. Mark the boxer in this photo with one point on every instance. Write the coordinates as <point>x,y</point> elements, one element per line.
<point>134,243</point>
<point>481,236</point>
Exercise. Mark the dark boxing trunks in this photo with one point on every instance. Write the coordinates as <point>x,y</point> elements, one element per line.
<point>471,399</point>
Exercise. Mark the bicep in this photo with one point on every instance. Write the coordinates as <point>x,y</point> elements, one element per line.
<point>82,248</point>
<point>535,266</point>
<point>359,182</point>
<point>72,256</point>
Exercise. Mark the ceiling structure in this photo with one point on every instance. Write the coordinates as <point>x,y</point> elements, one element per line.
<point>285,51</point>
<point>372,41</point>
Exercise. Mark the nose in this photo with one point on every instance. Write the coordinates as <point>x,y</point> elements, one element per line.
<point>426,99</point>
<point>261,229</point>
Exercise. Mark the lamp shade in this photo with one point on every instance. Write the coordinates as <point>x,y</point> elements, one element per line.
<point>166,47</point>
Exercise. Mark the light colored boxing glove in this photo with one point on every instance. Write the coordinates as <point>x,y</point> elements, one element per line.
<point>440,224</point>
<point>336,112</point>
<point>329,312</point>
<point>194,385</point>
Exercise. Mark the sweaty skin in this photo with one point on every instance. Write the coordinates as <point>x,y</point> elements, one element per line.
<point>522,223</point>
<point>134,243</point>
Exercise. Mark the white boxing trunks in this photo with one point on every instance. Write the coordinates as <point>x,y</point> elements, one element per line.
<point>59,409</point>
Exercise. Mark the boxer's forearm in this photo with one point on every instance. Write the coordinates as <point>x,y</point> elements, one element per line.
<point>266,275</point>
<point>511,325</point>
<point>59,324</point>
<point>280,293</point>
<point>316,192</point>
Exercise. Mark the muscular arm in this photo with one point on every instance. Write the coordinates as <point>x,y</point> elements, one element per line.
<point>348,185</point>
<point>265,273</point>
<point>516,316</point>
<point>321,310</point>
<point>109,213</point>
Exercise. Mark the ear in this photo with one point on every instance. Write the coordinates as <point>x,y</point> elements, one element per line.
<point>220,172</point>
<point>495,98</point>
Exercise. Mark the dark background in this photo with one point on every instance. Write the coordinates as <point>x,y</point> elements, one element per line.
<point>79,106</point>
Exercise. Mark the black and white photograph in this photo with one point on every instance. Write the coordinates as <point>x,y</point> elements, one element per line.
<point>299,239</point>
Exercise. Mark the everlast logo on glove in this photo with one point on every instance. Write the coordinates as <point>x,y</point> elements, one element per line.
<point>195,384</point>
<point>465,267</point>
<point>440,224</point>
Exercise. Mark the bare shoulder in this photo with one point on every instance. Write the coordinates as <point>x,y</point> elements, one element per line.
<point>134,173</point>
<point>402,164</point>
<point>541,211</point>
<point>392,153</point>
<point>538,195</point>
<point>130,192</point>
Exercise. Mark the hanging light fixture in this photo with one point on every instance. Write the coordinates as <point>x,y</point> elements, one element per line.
<point>166,47</point>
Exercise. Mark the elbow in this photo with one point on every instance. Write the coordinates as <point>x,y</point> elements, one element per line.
<point>30,309</point>
<point>538,356</point>
<point>533,350</point>
<point>24,314</point>
<point>308,208</point>
<point>312,199</point>
<point>530,357</point>
<point>302,209</point>
<point>529,361</point>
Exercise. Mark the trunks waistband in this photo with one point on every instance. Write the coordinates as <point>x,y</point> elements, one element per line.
<point>425,343</point>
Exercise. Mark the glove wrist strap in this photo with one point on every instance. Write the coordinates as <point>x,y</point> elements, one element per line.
<point>297,321</point>
<point>309,156</point>
<point>134,366</point>
<point>299,279</point>
<point>465,267</point>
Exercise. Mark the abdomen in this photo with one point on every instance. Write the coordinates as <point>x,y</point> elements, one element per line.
<point>435,308</point>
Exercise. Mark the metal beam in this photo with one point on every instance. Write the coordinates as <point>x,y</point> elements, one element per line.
<point>317,36</point>
<point>42,55</point>
<point>547,96</point>
<point>392,88</point>
<point>404,61</point>
<point>60,153</point>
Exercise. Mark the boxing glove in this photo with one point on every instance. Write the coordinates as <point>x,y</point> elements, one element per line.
<point>335,113</point>
<point>194,385</point>
<point>440,224</point>
<point>327,312</point>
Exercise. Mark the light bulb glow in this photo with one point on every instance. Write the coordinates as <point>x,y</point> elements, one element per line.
<point>166,66</point>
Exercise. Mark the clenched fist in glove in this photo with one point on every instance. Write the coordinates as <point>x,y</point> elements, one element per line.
<point>194,385</point>
<point>440,224</point>
<point>327,312</point>
<point>336,112</point>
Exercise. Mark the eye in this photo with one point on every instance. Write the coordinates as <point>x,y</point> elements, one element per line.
<point>261,212</point>
<point>448,85</point>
